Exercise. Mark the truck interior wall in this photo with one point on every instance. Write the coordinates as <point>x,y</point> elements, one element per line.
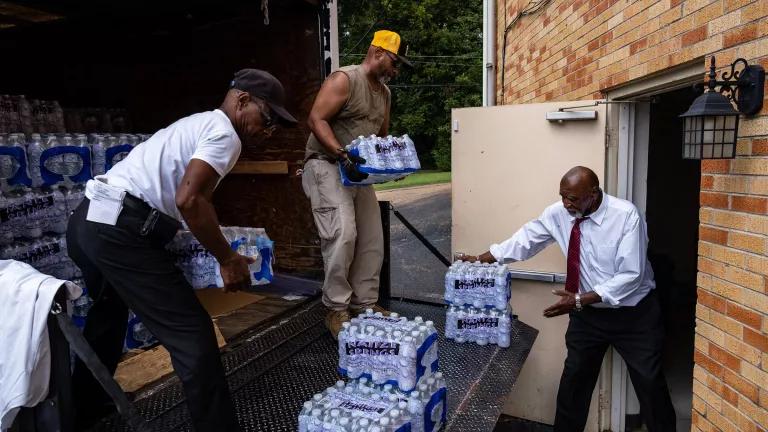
<point>165,62</point>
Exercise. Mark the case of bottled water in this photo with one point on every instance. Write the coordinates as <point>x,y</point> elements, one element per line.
<point>201,268</point>
<point>478,284</point>
<point>481,326</point>
<point>387,159</point>
<point>46,254</point>
<point>388,349</point>
<point>361,405</point>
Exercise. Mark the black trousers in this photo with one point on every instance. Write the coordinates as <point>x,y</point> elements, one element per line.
<point>123,269</point>
<point>637,333</point>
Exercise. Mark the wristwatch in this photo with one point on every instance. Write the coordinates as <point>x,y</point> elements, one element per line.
<point>578,302</point>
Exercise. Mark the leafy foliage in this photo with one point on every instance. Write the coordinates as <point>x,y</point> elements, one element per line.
<point>445,44</point>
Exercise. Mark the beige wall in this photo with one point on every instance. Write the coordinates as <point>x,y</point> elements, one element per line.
<point>507,165</point>
<point>580,49</point>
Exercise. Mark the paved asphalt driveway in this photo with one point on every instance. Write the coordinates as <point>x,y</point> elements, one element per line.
<point>416,273</point>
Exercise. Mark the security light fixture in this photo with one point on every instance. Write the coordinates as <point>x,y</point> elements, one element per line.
<point>711,124</point>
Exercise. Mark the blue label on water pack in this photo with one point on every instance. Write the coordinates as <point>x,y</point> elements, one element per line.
<point>20,177</point>
<point>437,399</point>
<point>113,152</point>
<point>50,178</point>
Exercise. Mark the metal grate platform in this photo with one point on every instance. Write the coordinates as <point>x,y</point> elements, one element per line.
<point>273,370</point>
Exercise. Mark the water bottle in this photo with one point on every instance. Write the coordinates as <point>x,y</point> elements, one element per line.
<point>505,329</point>
<point>7,162</point>
<point>395,153</point>
<point>414,159</point>
<point>35,149</point>
<point>98,149</point>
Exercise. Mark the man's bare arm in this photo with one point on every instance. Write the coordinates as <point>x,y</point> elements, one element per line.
<point>330,100</point>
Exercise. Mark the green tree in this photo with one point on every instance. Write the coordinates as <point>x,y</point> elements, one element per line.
<point>445,44</point>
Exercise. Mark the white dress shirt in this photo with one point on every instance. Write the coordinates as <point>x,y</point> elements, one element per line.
<point>613,258</point>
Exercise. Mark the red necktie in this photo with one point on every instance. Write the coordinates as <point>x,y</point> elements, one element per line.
<point>574,247</point>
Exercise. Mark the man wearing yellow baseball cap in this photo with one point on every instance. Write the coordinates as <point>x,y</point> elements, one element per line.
<point>353,101</point>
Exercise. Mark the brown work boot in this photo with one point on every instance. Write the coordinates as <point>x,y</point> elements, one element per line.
<point>358,310</point>
<point>334,320</point>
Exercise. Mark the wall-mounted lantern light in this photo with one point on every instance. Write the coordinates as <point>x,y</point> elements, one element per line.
<point>711,124</point>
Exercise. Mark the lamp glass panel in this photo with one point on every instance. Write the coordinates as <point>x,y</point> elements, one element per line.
<point>709,122</point>
<point>718,150</point>
<point>697,152</point>
<point>729,136</point>
<point>708,137</point>
<point>718,136</point>
<point>697,136</point>
<point>707,151</point>
<point>730,122</point>
<point>728,150</point>
<point>719,121</point>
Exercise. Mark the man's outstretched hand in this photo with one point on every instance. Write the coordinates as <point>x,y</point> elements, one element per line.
<point>566,304</point>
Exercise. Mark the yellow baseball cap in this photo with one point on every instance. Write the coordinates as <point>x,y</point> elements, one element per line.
<point>391,42</point>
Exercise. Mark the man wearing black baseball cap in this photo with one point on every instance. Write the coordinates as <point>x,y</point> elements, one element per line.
<point>117,237</point>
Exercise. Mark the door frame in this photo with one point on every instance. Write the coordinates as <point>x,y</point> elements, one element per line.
<point>626,171</point>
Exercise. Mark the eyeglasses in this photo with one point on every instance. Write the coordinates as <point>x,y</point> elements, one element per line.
<point>396,62</point>
<point>266,117</point>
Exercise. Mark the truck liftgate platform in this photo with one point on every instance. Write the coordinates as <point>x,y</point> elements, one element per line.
<point>274,368</point>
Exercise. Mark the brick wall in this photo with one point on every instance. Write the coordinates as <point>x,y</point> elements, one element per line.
<point>576,49</point>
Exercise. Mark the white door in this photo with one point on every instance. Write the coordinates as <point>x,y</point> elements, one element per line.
<point>507,162</point>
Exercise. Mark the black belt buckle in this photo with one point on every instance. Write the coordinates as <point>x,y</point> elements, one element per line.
<point>149,224</point>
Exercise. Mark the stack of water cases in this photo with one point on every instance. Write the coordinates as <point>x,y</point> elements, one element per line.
<point>42,181</point>
<point>201,268</point>
<point>478,297</point>
<point>395,385</point>
<point>386,159</point>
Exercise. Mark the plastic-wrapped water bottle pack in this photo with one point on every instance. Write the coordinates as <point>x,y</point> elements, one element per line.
<point>47,254</point>
<point>387,159</point>
<point>30,213</point>
<point>362,406</point>
<point>60,158</point>
<point>481,326</point>
<point>201,268</point>
<point>478,295</point>
<point>388,349</point>
<point>478,284</point>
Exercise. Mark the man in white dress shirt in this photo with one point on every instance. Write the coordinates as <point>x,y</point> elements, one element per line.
<point>609,295</point>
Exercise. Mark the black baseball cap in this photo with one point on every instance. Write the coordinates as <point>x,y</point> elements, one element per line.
<point>265,86</point>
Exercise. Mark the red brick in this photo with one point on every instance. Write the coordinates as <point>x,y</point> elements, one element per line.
<point>757,340</point>
<point>638,46</point>
<point>707,182</point>
<point>713,199</point>
<point>724,358</point>
<point>760,147</point>
<point>712,301</point>
<point>740,35</point>
<point>743,315</point>
<point>694,36</point>
<point>675,3</point>
<point>716,166</point>
<point>713,235</point>
<point>729,395</point>
<point>749,204</point>
<point>707,363</point>
<point>749,390</point>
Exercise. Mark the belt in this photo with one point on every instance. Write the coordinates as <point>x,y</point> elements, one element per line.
<point>155,221</point>
<point>321,157</point>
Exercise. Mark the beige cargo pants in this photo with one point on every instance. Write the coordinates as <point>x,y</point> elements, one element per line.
<point>351,240</point>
